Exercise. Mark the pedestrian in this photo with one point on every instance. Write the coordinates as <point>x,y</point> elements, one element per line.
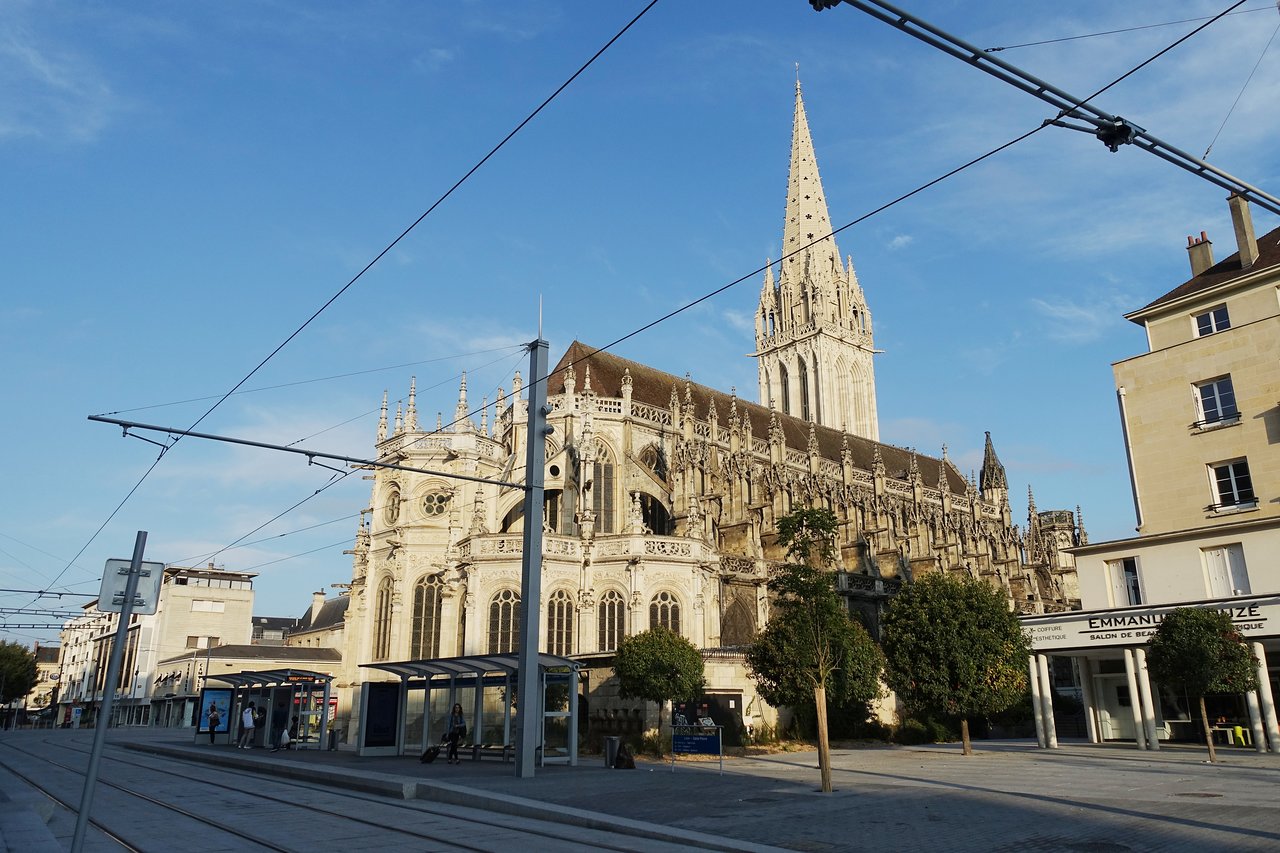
<point>215,719</point>
<point>287,736</point>
<point>260,721</point>
<point>457,729</point>
<point>246,727</point>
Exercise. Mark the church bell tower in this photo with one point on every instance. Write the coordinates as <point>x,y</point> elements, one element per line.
<point>813,328</point>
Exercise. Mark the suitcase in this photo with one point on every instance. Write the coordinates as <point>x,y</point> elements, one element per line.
<point>432,753</point>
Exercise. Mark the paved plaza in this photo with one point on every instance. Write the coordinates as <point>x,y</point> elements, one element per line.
<point>1009,796</point>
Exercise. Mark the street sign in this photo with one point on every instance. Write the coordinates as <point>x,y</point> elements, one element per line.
<point>116,576</point>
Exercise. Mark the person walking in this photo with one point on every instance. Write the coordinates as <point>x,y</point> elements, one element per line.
<point>247,723</point>
<point>457,729</point>
<point>215,719</point>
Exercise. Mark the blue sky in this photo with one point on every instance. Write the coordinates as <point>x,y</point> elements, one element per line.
<point>186,183</point>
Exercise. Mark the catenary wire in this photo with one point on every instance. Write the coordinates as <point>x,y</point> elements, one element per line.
<point>1124,30</point>
<point>1247,81</point>
<point>298,382</point>
<point>358,276</point>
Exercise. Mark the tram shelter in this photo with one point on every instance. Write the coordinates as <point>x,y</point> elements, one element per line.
<point>405,717</point>
<point>283,693</point>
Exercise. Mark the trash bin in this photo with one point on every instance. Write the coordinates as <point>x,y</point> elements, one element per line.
<point>611,745</point>
<point>333,739</point>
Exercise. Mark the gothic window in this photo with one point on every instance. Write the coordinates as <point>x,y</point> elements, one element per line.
<point>664,610</point>
<point>382,620</point>
<point>602,497</point>
<point>738,627</point>
<point>560,624</point>
<point>785,388</point>
<point>655,460</point>
<point>391,509</point>
<point>435,504</point>
<point>655,516</point>
<point>504,622</point>
<point>611,620</point>
<point>802,376</point>
<point>427,603</point>
<point>817,392</point>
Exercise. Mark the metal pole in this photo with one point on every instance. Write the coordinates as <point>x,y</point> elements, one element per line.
<point>109,691</point>
<point>530,718</point>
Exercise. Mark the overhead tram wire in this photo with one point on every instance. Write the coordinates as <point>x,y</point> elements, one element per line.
<point>237,543</point>
<point>299,382</point>
<point>1124,30</point>
<point>360,275</point>
<point>906,195</point>
<point>1247,81</point>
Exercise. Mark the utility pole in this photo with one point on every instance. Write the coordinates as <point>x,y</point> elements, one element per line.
<point>530,696</point>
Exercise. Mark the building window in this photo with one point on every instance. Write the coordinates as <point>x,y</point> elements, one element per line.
<point>784,386</point>
<point>427,603</point>
<point>602,487</point>
<point>504,622</point>
<point>803,378</point>
<point>1126,589</point>
<point>1225,571</point>
<point>560,624</point>
<point>611,620</point>
<point>1216,402</point>
<point>203,605</point>
<point>664,610</point>
<point>1213,320</point>
<point>435,504</point>
<point>391,512</point>
<point>382,621</point>
<point>1232,485</point>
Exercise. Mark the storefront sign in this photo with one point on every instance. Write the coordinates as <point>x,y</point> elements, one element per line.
<point>1254,617</point>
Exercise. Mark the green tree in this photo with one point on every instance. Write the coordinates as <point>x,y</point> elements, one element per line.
<point>658,665</point>
<point>1201,652</point>
<point>812,652</point>
<point>954,647</point>
<point>17,671</point>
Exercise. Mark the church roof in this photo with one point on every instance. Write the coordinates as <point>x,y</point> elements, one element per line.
<point>1220,273</point>
<point>332,612</point>
<point>653,387</point>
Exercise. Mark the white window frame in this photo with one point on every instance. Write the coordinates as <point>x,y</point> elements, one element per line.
<point>1216,324</point>
<point>1220,409</point>
<point>1225,572</point>
<point>1124,586</point>
<point>1235,501</point>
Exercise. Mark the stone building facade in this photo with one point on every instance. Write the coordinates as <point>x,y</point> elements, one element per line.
<point>663,495</point>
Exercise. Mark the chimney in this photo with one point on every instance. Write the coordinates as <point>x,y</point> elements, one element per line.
<point>317,603</point>
<point>1242,221</point>
<point>1201,253</point>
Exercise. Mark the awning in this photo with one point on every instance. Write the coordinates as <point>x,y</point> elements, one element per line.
<point>271,678</point>
<point>469,665</point>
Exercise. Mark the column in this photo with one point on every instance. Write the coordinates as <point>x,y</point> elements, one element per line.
<point>1086,696</point>
<point>1268,700</point>
<point>1135,704</point>
<point>1046,701</point>
<point>1148,708</point>
<point>1255,722</point>
<point>1036,708</point>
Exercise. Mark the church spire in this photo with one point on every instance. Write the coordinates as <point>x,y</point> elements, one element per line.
<point>382,419</point>
<point>411,413</point>
<point>462,423</point>
<point>807,218</point>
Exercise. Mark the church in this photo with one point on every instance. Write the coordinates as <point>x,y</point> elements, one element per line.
<point>662,498</point>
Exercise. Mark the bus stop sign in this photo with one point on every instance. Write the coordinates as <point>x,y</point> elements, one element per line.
<point>116,575</point>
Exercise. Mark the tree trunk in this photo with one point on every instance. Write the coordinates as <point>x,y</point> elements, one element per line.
<point>824,748</point>
<point>964,736</point>
<point>1208,733</point>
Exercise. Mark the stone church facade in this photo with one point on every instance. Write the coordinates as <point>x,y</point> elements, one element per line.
<point>663,495</point>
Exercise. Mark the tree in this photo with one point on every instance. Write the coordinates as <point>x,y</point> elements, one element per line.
<point>954,647</point>
<point>17,671</point>
<point>658,665</point>
<point>812,652</point>
<point>1202,652</point>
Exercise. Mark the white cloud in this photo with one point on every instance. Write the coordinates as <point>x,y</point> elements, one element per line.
<point>901,241</point>
<point>740,320</point>
<point>1073,322</point>
<point>48,92</point>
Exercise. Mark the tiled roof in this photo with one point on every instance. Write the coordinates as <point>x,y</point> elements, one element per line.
<point>653,387</point>
<point>331,614</point>
<point>1220,273</point>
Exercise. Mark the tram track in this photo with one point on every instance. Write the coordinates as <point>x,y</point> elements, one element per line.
<point>418,807</point>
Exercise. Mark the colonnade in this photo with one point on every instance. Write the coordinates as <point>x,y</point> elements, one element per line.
<point>1261,702</point>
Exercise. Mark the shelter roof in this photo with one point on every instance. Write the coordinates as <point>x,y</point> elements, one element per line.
<point>270,678</point>
<point>467,665</point>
